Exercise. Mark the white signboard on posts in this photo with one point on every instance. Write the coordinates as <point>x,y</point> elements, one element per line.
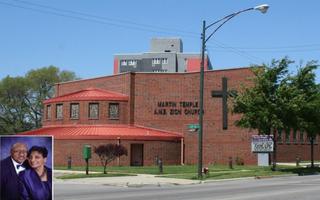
<point>262,143</point>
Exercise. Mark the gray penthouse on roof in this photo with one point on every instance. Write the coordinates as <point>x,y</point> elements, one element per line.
<point>166,55</point>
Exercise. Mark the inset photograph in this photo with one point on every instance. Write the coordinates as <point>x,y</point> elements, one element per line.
<point>26,167</point>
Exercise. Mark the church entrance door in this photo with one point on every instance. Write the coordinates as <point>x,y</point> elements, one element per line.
<point>136,157</point>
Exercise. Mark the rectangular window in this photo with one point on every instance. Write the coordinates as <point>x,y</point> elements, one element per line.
<point>59,111</point>
<point>164,60</point>
<point>301,137</point>
<point>93,110</point>
<point>308,140</point>
<point>74,111</point>
<point>185,62</point>
<point>48,115</point>
<point>156,61</point>
<point>287,136</point>
<point>295,137</point>
<point>123,62</point>
<point>279,136</point>
<point>113,111</point>
<point>160,70</point>
<point>132,62</point>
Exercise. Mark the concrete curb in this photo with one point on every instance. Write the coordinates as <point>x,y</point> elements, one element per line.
<point>145,180</point>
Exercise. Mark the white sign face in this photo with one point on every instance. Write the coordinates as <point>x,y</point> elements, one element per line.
<point>262,143</point>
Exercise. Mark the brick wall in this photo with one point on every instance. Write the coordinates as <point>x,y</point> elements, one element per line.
<point>146,90</point>
<point>290,147</point>
<point>116,83</point>
<point>218,144</point>
<point>289,152</point>
<point>168,151</point>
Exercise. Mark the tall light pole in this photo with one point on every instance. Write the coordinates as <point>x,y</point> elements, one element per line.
<point>263,9</point>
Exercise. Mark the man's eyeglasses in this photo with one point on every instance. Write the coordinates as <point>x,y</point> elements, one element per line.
<point>20,152</point>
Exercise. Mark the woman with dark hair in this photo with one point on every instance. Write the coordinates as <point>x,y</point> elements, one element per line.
<point>36,182</point>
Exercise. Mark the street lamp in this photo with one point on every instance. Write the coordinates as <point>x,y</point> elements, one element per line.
<point>263,9</point>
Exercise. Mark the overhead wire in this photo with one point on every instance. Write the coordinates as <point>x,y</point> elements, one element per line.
<point>95,20</point>
<point>241,51</point>
<point>275,49</point>
<point>251,58</point>
<point>104,18</point>
<point>282,47</point>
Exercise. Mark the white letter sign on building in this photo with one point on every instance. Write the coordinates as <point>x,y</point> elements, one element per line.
<point>261,143</point>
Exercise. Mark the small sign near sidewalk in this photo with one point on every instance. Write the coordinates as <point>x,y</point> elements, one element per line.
<point>262,143</point>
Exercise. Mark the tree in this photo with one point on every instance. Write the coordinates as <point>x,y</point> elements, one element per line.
<point>308,115</point>
<point>42,87</point>
<point>260,105</point>
<point>21,98</point>
<point>107,153</point>
<point>278,101</point>
<point>14,113</point>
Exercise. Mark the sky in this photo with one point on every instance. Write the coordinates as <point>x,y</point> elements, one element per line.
<point>83,36</point>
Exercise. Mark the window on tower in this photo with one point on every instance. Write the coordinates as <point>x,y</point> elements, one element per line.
<point>59,111</point>
<point>93,110</point>
<point>113,110</point>
<point>74,111</point>
<point>48,116</point>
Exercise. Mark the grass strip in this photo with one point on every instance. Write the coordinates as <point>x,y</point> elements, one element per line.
<point>75,176</point>
<point>215,171</point>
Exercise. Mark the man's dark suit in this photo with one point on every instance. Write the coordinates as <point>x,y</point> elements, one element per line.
<point>9,180</point>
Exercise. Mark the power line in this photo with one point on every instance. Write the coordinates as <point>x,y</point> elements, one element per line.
<point>251,58</point>
<point>293,48</point>
<point>301,46</point>
<point>241,51</point>
<point>272,51</point>
<point>104,18</point>
<point>90,19</point>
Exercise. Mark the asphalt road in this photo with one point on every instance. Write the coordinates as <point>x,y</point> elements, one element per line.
<point>293,187</point>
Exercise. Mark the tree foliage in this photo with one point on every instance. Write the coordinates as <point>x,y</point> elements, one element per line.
<point>308,90</point>
<point>308,115</point>
<point>21,98</point>
<point>259,104</point>
<point>280,101</point>
<point>15,115</point>
<point>107,153</point>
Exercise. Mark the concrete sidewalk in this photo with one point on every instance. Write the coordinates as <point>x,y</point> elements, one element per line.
<point>124,181</point>
<point>140,179</point>
<point>301,164</point>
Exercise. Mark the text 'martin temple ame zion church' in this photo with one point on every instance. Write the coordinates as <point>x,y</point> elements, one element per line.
<point>147,106</point>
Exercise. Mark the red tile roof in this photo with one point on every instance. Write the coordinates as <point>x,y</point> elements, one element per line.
<point>126,132</point>
<point>89,94</point>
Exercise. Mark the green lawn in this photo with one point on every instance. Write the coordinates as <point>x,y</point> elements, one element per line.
<point>167,169</point>
<point>190,171</point>
<point>259,172</point>
<point>72,176</point>
<point>172,169</point>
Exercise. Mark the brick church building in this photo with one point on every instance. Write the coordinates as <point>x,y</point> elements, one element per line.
<point>149,114</point>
